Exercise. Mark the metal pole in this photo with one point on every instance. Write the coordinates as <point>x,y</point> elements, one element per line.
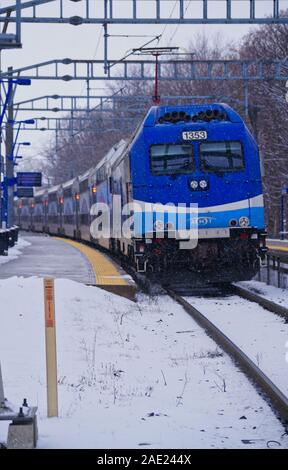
<point>105,37</point>
<point>1,170</point>
<point>56,138</point>
<point>156,97</point>
<point>4,184</point>
<point>88,89</point>
<point>2,397</point>
<point>9,152</point>
<point>71,132</point>
<point>282,216</point>
<point>18,21</point>
<point>246,98</point>
<point>278,272</point>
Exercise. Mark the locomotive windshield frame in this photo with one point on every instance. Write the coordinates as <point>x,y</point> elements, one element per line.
<point>229,156</point>
<point>171,160</point>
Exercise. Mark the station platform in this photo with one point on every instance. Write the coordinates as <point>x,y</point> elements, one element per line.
<point>66,259</point>
<point>278,245</point>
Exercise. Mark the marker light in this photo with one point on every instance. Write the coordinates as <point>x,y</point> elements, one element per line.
<point>193,184</point>
<point>243,221</point>
<point>77,197</point>
<point>203,184</point>
<point>94,188</point>
<point>244,236</point>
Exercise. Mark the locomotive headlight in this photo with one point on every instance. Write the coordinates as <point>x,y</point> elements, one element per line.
<point>193,184</point>
<point>243,221</point>
<point>203,184</point>
<point>159,225</point>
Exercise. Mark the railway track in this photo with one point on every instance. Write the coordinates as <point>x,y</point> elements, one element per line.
<point>265,303</point>
<point>275,397</point>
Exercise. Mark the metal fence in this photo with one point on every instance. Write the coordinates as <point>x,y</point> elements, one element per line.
<point>275,272</point>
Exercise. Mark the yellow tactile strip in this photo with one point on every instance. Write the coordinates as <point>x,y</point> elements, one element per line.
<point>279,248</point>
<point>106,272</point>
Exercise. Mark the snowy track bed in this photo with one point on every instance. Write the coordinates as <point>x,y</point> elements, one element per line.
<point>260,334</point>
<point>279,296</point>
<point>130,375</point>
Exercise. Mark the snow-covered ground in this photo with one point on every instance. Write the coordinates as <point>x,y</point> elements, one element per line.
<point>131,375</point>
<point>15,252</point>
<point>262,335</point>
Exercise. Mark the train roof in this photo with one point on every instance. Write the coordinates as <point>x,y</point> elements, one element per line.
<point>113,154</point>
<point>192,114</point>
<point>54,189</point>
<point>40,192</point>
<point>68,183</point>
<point>85,175</point>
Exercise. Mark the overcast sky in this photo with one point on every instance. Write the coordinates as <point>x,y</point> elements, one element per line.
<point>45,42</point>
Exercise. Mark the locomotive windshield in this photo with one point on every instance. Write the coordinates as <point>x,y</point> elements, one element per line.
<point>170,159</point>
<point>221,156</point>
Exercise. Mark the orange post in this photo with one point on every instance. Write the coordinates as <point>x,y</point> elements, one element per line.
<point>50,341</point>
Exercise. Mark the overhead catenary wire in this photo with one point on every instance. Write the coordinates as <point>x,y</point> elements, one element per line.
<point>177,27</point>
<point>170,16</point>
<point>90,111</point>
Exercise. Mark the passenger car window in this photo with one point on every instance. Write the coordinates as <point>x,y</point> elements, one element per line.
<point>170,159</point>
<point>221,156</point>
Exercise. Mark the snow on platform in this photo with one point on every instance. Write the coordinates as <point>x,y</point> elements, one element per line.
<point>14,252</point>
<point>277,245</point>
<point>44,256</point>
<point>131,375</point>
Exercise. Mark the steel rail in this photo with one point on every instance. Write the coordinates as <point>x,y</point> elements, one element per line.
<point>258,299</point>
<point>278,401</point>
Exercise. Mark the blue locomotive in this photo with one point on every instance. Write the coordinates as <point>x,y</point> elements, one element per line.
<point>189,169</point>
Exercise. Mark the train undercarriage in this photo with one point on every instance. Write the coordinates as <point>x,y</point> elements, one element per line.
<point>212,261</point>
<point>224,260</point>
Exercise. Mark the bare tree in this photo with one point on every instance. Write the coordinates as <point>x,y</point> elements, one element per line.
<point>266,114</point>
<point>270,42</point>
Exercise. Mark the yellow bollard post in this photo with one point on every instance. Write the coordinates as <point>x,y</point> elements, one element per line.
<point>51,355</point>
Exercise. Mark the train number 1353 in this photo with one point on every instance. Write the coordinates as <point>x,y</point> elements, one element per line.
<point>194,135</point>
